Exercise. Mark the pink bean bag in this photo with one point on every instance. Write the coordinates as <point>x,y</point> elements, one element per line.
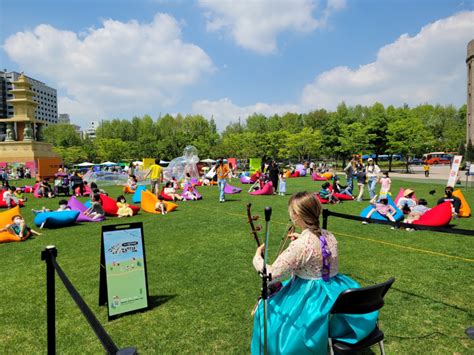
<point>87,190</point>
<point>229,190</point>
<point>317,177</point>
<point>195,192</point>
<point>266,190</point>
<point>36,190</point>
<point>438,216</point>
<point>76,205</point>
<point>245,180</point>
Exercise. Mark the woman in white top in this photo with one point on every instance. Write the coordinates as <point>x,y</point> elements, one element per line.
<point>298,314</point>
<point>373,174</point>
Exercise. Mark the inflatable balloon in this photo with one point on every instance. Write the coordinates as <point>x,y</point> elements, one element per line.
<point>181,166</point>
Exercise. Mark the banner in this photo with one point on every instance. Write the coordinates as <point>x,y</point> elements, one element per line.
<point>123,278</point>
<point>454,170</point>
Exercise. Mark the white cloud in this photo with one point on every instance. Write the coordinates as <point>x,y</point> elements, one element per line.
<point>224,111</point>
<point>256,24</point>
<point>427,67</point>
<point>113,70</point>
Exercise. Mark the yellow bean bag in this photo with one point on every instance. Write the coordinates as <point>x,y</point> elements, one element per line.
<point>149,201</point>
<point>327,175</point>
<point>5,219</point>
<point>465,210</point>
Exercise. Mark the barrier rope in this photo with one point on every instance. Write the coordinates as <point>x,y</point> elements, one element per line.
<point>100,332</point>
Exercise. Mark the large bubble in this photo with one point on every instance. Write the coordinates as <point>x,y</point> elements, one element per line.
<point>182,166</point>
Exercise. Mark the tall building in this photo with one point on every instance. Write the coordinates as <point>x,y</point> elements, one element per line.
<point>46,97</point>
<point>470,92</point>
<point>91,130</point>
<point>64,118</point>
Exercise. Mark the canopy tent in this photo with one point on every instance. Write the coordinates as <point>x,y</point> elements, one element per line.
<point>85,164</point>
<point>109,163</point>
<point>208,161</point>
<point>137,162</point>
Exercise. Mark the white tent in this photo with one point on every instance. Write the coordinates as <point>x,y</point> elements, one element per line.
<point>208,161</point>
<point>138,162</point>
<point>85,164</point>
<point>109,163</point>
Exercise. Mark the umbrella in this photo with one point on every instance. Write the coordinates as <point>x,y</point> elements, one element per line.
<point>208,161</point>
<point>85,164</point>
<point>109,163</point>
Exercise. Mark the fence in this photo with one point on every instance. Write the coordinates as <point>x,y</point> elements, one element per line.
<point>49,256</point>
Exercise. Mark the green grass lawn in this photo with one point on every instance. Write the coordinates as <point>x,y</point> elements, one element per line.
<point>203,286</point>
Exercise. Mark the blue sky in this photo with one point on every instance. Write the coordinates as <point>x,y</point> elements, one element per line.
<point>228,59</point>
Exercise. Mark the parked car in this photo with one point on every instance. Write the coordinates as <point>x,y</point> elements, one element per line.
<point>416,161</point>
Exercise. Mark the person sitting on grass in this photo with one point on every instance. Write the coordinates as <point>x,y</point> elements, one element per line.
<point>326,194</point>
<point>407,202</point>
<point>9,197</point>
<point>382,207</point>
<point>160,205</point>
<point>338,188</point>
<point>96,190</point>
<point>189,193</point>
<point>95,211</point>
<point>124,209</point>
<point>132,182</point>
<point>455,201</point>
<point>19,228</point>
<point>45,188</point>
<point>171,192</point>
<point>19,195</point>
<point>419,210</point>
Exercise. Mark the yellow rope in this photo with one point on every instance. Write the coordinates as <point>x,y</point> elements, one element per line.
<point>430,252</point>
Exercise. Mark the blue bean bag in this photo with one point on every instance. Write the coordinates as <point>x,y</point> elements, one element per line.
<point>398,215</point>
<point>137,196</point>
<point>56,219</point>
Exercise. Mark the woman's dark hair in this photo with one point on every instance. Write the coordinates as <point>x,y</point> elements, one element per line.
<point>385,173</point>
<point>93,185</point>
<point>168,184</point>
<point>120,198</point>
<point>384,201</point>
<point>12,188</point>
<point>325,185</point>
<point>422,201</point>
<point>62,202</point>
<point>161,198</point>
<point>157,161</point>
<point>96,197</point>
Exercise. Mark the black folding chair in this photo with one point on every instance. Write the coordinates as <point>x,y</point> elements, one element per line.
<point>360,301</point>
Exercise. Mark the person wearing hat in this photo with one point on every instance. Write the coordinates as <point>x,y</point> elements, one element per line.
<point>408,201</point>
<point>372,172</point>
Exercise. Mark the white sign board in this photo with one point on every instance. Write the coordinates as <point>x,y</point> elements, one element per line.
<point>471,169</point>
<point>454,170</point>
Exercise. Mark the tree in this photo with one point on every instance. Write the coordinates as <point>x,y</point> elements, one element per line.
<point>302,145</point>
<point>62,135</point>
<point>112,149</point>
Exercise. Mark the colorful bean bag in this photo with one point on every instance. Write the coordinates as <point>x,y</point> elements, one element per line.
<point>127,190</point>
<point>266,190</point>
<point>245,180</point>
<point>317,177</point>
<point>465,210</point>
<point>301,169</point>
<point>229,189</point>
<point>328,175</point>
<point>438,216</point>
<point>76,205</point>
<point>137,196</point>
<point>255,176</point>
<point>56,219</point>
<point>27,189</point>
<point>165,196</point>
<point>3,204</point>
<point>195,192</point>
<point>322,200</point>
<point>149,201</point>
<point>110,206</point>
<point>343,197</point>
<point>398,215</point>
<point>400,195</point>
<point>87,190</point>
<point>287,174</point>
<point>6,219</point>
<point>36,190</point>
<point>295,174</point>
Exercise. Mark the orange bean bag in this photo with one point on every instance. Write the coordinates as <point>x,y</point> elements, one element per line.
<point>465,210</point>
<point>5,219</point>
<point>127,190</point>
<point>149,201</point>
<point>327,175</point>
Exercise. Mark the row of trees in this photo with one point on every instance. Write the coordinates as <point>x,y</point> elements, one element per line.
<point>314,135</point>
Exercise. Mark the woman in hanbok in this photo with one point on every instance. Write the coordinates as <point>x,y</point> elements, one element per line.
<point>298,314</point>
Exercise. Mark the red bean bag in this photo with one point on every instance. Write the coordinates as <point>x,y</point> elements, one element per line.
<point>3,204</point>
<point>438,216</point>
<point>295,174</point>
<point>343,197</point>
<point>267,189</point>
<point>110,206</point>
<point>165,196</point>
<point>255,176</point>
<point>322,200</point>
<point>317,177</point>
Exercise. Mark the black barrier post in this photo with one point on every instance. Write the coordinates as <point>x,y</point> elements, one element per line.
<point>325,218</point>
<point>47,255</point>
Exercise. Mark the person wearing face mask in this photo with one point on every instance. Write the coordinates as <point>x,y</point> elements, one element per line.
<point>298,314</point>
<point>19,228</point>
<point>222,171</point>
<point>455,202</point>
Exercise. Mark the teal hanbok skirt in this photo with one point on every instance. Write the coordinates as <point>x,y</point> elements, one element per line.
<point>298,318</point>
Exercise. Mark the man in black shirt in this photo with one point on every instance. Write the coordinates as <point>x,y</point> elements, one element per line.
<point>455,202</point>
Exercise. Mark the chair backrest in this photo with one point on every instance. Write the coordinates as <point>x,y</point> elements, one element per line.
<point>362,300</point>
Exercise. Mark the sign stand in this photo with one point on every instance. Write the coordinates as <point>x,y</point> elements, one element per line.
<point>123,282</point>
